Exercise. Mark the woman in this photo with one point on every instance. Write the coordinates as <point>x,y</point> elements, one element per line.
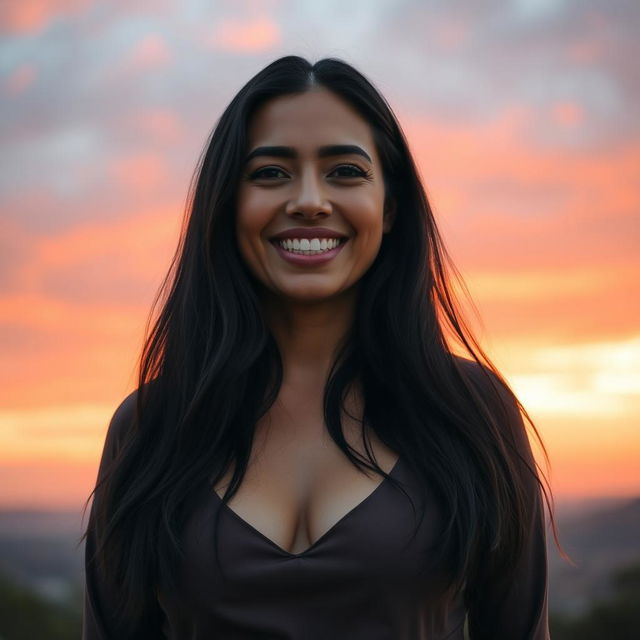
<point>304,456</point>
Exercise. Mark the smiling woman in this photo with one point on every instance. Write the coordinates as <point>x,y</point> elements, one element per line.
<point>302,180</point>
<point>305,456</point>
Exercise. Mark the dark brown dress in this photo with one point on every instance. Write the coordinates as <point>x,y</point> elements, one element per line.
<point>360,580</point>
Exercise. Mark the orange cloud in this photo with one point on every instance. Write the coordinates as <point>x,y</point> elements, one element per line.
<point>31,16</point>
<point>140,171</point>
<point>592,455</point>
<point>543,283</point>
<point>50,483</point>
<point>161,125</point>
<point>246,36</point>
<point>585,51</point>
<point>151,51</point>
<point>21,79</point>
<point>450,34</point>
<point>568,113</point>
<point>73,317</point>
<point>492,183</point>
<point>135,248</point>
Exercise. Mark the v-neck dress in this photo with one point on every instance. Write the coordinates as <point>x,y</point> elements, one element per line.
<point>360,580</point>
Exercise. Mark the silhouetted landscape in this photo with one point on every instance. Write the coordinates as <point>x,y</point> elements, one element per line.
<point>41,573</point>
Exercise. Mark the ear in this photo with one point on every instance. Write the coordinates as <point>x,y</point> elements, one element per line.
<point>389,215</point>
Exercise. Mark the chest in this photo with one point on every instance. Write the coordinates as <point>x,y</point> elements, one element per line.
<point>372,574</point>
<point>299,484</point>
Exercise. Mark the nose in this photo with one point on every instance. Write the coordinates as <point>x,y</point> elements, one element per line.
<point>308,199</point>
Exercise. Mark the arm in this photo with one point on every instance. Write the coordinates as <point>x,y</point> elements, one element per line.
<point>98,622</point>
<point>518,610</point>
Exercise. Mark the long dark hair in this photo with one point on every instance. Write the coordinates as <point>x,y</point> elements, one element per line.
<point>210,368</point>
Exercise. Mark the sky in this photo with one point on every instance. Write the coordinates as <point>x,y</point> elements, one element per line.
<point>522,117</point>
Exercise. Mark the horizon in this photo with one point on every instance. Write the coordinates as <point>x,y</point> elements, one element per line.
<point>561,503</point>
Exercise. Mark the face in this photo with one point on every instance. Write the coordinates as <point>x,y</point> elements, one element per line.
<point>313,175</point>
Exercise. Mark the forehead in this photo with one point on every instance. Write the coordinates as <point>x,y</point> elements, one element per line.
<point>311,119</point>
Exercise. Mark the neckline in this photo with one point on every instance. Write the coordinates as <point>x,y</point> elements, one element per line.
<point>324,536</point>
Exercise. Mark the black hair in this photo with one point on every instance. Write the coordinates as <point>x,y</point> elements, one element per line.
<point>210,369</point>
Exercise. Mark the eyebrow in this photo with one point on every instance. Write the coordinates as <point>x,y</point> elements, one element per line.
<point>323,152</point>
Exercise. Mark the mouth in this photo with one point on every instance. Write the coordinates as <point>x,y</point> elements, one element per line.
<point>328,249</point>
<point>308,247</point>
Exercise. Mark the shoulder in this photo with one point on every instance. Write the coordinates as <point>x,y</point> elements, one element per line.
<point>125,411</point>
<point>493,387</point>
<point>125,415</point>
<point>499,398</point>
<point>118,430</point>
<point>476,372</point>
<point>510,432</point>
<point>121,421</point>
<point>121,424</point>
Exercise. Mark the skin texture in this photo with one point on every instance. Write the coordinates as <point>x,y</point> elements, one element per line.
<point>309,309</point>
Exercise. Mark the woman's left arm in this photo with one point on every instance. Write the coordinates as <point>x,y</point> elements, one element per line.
<point>517,610</point>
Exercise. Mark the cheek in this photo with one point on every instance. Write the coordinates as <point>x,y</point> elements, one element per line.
<point>252,216</point>
<point>366,216</point>
<point>248,236</point>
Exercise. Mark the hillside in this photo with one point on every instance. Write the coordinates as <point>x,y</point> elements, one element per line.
<point>599,541</point>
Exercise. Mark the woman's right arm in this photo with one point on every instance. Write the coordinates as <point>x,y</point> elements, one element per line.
<point>98,621</point>
<point>518,610</point>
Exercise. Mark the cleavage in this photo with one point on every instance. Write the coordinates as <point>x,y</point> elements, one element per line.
<point>297,491</point>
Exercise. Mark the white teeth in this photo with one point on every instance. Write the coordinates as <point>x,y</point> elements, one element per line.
<point>309,246</point>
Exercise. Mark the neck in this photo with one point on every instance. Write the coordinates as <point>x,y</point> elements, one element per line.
<point>309,336</point>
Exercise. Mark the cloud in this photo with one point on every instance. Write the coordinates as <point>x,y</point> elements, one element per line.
<point>450,34</point>
<point>248,35</point>
<point>20,79</point>
<point>586,51</point>
<point>52,482</point>
<point>73,311</point>
<point>32,16</point>
<point>158,124</point>
<point>139,171</point>
<point>583,397</point>
<point>91,262</point>
<point>493,180</point>
<point>66,431</point>
<point>150,52</point>
<point>585,366</point>
<point>568,113</point>
<point>544,284</point>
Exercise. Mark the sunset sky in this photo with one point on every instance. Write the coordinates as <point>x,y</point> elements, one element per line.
<point>523,118</point>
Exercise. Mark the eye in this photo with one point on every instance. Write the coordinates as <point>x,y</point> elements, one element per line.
<point>268,173</point>
<point>350,171</point>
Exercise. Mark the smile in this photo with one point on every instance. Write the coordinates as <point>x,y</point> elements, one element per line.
<point>309,246</point>
<point>309,256</point>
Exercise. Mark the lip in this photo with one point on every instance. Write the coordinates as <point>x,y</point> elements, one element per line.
<point>308,261</point>
<point>308,232</point>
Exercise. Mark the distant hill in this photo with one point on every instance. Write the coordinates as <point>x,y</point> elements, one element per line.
<point>38,550</point>
<point>25,615</point>
<point>599,541</point>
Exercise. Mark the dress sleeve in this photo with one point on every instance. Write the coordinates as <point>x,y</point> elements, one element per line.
<point>518,610</point>
<point>98,621</point>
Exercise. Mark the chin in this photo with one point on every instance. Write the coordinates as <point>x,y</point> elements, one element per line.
<point>309,295</point>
